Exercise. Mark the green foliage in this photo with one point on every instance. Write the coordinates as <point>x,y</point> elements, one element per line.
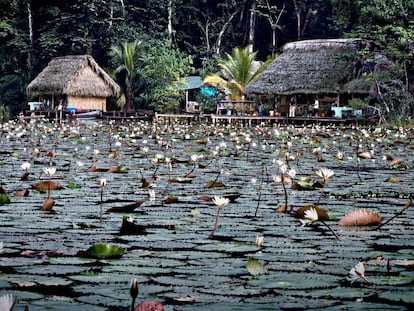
<point>127,57</point>
<point>164,66</point>
<point>357,103</point>
<point>200,29</point>
<point>208,104</point>
<point>4,113</point>
<point>11,95</point>
<point>168,106</point>
<point>237,70</point>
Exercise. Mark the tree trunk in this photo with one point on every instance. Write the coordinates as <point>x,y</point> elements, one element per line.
<point>30,22</point>
<point>297,12</point>
<point>223,31</point>
<point>298,25</point>
<point>170,13</point>
<point>252,26</point>
<point>128,104</point>
<point>273,41</point>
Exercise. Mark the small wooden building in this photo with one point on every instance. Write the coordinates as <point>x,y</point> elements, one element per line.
<point>191,85</point>
<point>77,80</point>
<point>326,69</point>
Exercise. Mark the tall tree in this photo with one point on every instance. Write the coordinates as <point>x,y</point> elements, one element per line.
<point>252,26</point>
<point>272,14</point>
<point>165,65</point>
<point>14,49</point>
<point>127,57</point>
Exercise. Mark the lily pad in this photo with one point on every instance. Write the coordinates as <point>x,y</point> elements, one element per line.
<point>125,208</point>
<point>407,296</point>
<point>102,250</point>
<point>255,267</point>
<point>215,184</point>
<point>4,199</point>
<point>287,280</point>
<point>44,185</point>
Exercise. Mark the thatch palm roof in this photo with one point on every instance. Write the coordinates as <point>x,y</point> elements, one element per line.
<point>309,67</point>
<point>75,75</point>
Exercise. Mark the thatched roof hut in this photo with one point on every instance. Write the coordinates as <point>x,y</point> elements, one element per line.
<point>77,77</point>
<point>310,67</point>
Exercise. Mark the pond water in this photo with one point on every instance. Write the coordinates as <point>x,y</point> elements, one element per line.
<point>168,246</point>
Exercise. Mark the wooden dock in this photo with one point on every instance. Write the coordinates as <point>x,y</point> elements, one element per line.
<point>214,119</point>
<point>249,121</point>
<point>182,118</point>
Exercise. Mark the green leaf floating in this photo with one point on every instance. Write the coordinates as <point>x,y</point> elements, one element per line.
<point>4,199</point>
<point>255,267</point>
<point>73,185</point>
<point>102,251</point>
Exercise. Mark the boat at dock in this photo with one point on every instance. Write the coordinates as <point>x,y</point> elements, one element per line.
<point>89,115</point>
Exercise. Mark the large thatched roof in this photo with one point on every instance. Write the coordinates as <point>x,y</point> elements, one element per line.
<point>309,67</point>
<point>75,75</point>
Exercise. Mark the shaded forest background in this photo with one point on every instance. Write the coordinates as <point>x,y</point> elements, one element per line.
<point>184,37</point>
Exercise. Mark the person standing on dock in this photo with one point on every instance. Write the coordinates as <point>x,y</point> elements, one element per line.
<point>292,107</point>
<point>316,107</point>
<point>21,117</point>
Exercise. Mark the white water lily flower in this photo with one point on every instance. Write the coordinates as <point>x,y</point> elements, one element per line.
<point>151,194</point>
<point>279,163</point>
<point>25,166</point>
<point>358,272</point>
<point>325,173</point>
<point>292,173</point>
<point>220,201</point>
<point>316,151</point>
<point>223,146</point>
<point>49,171</point>
<point>134,288</point>
<point>6,302</point>
<point>102,182</point>
<point>283,168</point>
<point>277,179</point>
<point>311,215</point>
<point>259,240</point>
<point>195,157</point>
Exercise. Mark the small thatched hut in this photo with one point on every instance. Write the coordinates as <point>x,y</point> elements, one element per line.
<point>78,80</point>
<point>323,69</point>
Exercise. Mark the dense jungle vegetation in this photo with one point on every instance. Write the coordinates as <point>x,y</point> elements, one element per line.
<point>174,38</point>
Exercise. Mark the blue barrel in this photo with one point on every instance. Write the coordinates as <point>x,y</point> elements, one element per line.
<point>71,109</point>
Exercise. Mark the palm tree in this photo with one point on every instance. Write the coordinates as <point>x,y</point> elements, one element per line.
<point>237,70</point>
<point>127,57</point>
